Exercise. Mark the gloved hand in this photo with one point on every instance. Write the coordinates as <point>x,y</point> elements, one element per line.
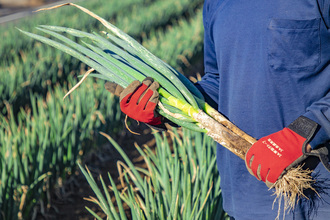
<point>138,100</point>
<point>270,157</point>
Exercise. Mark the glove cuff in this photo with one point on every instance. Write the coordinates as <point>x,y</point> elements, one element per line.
<point>305,127</point>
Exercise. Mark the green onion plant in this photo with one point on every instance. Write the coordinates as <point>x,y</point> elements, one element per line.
<point>42,143</point>
<point>119,58</point>
<point>182,183</point>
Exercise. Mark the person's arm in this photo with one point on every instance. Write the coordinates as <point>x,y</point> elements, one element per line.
<point>324,7</point>
<point>209,85</point>
<point>320,113</point>
<point>270,157</point>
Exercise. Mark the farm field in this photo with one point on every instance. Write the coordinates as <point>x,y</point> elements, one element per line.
<point>43,137</point>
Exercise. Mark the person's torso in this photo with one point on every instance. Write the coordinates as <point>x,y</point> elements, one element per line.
<point>270,56</point>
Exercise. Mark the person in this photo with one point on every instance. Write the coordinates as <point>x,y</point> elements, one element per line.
<point>267,69</point>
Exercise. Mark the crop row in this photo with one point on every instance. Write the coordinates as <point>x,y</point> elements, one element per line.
<point>180,42</point>
<point>142,20</point>
<point>12,42</point>
<point>42,136</point>
<point>182,183</point>
<point>33,69</point>
<point>38,69</point>
<point>27,65</point>
<point>45,142</point>
<point>144,16</point>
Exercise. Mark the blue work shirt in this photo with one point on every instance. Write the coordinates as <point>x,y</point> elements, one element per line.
<point>266,64</point>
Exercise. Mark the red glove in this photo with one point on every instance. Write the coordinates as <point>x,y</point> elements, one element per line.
<point>271,156</point>
<point>138,100</point>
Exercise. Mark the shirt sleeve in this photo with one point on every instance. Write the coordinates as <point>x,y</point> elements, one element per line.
<point>320,113</point>
<point>324,6</point>
<point>209,85</point>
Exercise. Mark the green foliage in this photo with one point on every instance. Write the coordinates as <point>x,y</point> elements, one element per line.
<point>27,65</point>
<point>12,44</point>
<point>116,60</point>
<point>186,36</point>
<point>143,20</point>
<point>45,142</point>
<point>180,182</point>
<point>42,136</point>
